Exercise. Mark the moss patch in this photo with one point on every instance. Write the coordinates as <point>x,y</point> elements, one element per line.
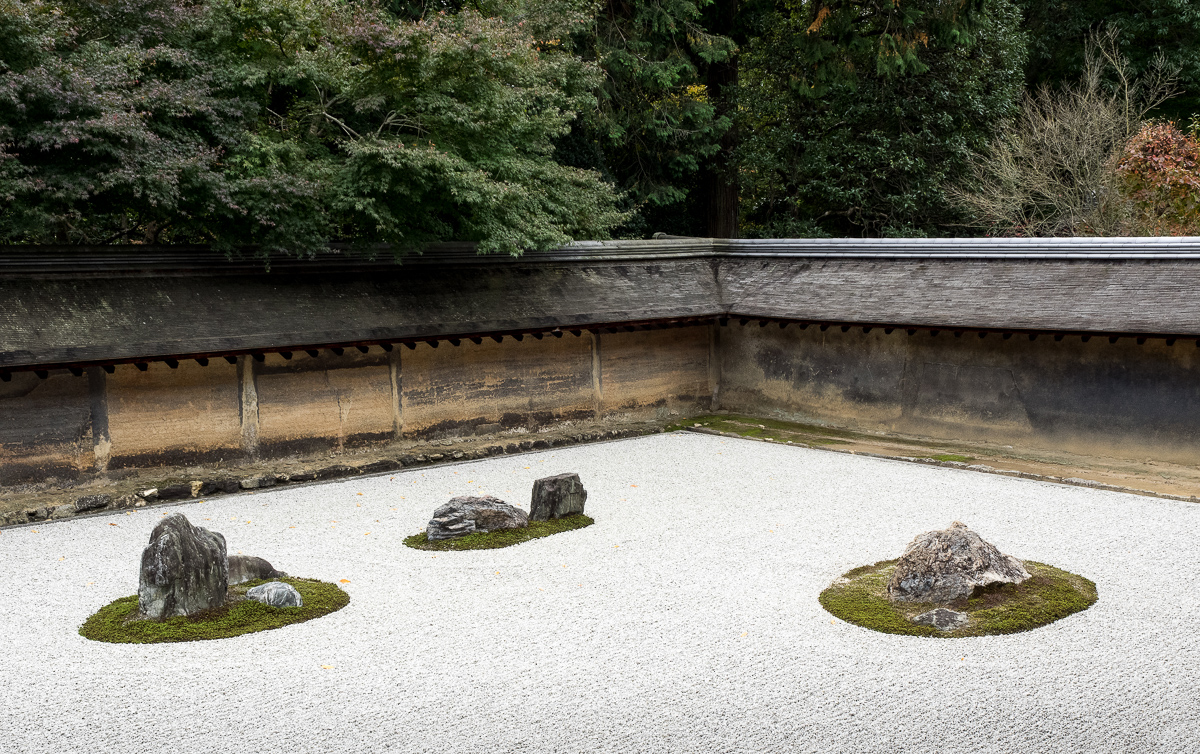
<point>860,597</point>
<point>116,622</point>
<point>503,537</point>
<point>800,433</point>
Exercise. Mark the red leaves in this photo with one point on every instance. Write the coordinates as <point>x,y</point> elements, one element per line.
<point>1160,173</point>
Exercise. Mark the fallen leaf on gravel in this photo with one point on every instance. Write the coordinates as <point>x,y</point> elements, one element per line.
<point>359,494</point>
<point>366,534</point>
<point>327,667</point>
<point>34,531</point>
<point>112,524</point>
<point>633,485</point>
<point>344,581</point>
<point>746,633</point>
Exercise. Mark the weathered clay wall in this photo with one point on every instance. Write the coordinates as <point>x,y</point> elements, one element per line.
<point>1091,397</point>
<point>66,425</point>
<point>45,426</point>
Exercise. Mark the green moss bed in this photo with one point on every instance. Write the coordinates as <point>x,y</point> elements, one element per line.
<point>116,622</point>
<point>860,597</point>
<point>502,538</point>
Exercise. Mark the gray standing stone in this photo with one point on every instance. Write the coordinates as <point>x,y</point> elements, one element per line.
<point>276,594</point>
<point>183,570</point>
<point>243,568</point>
<point>946,565</point>
<point>557,496</point>
<point>942,619</point>
<point>465,514</point>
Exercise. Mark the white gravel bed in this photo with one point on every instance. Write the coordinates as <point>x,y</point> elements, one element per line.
<point>685,620</point>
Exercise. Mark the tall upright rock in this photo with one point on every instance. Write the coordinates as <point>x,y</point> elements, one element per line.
<point>557,496</point>
<point>183,571</point>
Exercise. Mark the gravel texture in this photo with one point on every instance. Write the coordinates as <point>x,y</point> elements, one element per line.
<point>685,620</point>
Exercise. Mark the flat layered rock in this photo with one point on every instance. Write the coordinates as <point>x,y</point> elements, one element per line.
<point>942,619</point>
<point>465,514</point>
<point>183,570</point>
<point>946,565</point>
<point>557,496</point>
<point>243,568</point>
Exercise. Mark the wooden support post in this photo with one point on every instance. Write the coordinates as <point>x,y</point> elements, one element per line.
<point>714,364</point>
<point>397,389</point>
<point>597,381</point>
<point>98,399</point>
<point>248,404</point>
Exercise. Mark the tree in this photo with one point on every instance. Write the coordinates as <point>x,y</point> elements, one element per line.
<point>1059,29</point>
<point>854,122</point>
<point>289,123</point>
<point>1053,172</point>
<point>1159,173</point>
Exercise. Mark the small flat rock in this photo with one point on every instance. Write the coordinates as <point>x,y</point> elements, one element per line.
<point>466,514</point>
<point>943,566</point>
<point>183,570</point>
<point>557,496</point>
<point>276,594</point>
<point>93,502</point>
<point>243,568</point>
<point>942,619</point>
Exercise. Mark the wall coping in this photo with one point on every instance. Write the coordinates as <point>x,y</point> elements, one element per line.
<point>75,261</point>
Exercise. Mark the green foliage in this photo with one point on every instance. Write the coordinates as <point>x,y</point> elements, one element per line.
<point>503,537</point>
<point>867,148</point>
<point>288,123</point>
<point>657,122</point>
<point>1059,29</point>
<point>116,622</point>
<point>1050,594</point>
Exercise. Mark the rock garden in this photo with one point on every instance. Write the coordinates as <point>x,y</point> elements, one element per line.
<point>952,583</point>
<point>486,522</point>
<point>190,589</point>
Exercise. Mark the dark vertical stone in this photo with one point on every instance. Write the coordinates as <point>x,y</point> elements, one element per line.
<point>557,496</point>
<point>184,570</point>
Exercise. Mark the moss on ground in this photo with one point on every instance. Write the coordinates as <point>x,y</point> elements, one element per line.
<point>502,538</point>
<point>860,597</point>
<point>810,434</point>
<point>116,622</point>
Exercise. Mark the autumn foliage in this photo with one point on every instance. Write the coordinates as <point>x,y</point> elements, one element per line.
<point>1159,173</point>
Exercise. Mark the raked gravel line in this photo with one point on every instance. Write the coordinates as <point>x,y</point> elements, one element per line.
<point>685,620</point>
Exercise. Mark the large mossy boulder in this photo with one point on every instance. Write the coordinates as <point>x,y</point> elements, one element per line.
<point>183,571</point>
<point>947,565</point>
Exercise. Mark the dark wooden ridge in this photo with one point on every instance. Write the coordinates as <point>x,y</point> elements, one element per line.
<point>76,307</point>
